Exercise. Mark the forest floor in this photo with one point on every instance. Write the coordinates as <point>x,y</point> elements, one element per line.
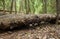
<point>50,31</point>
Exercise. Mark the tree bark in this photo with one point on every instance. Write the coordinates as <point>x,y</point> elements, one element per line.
<point>45,6</point>
<point>58,10</point>
<point>15,7</point>
<point>21,6</point>
<point>27,6</point>
<point>11,6</point>
<point>18,20</point>
<point>4,6</point>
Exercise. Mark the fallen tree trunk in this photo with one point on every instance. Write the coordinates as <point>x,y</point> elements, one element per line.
<point>17,20</point>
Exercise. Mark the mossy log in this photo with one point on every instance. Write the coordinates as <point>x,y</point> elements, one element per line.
<point>17,20</point>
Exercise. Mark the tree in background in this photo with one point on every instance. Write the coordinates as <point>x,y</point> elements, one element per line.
<point>11,9</point>
<point>45,6</point>
<point>27,6</point>
<point>58,10</point>
<point>51,6</point>
<point>3,6</point>
<point>21,6</point>
<point>15,7</point>
<point>30,6</point>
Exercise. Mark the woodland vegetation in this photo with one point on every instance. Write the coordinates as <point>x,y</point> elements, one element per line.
<point>29,19</point>
<point>29,6</point>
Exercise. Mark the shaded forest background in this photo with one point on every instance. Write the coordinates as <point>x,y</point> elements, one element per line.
<point>47,12</point>
<point>28,6</point>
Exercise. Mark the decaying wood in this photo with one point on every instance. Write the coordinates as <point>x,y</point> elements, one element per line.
<point>17,20</point>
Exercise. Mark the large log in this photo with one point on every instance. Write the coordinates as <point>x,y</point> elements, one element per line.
<point>17,20</point>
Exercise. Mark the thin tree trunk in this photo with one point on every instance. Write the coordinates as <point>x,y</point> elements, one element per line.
<point>15,7</point>
<point>27,5</point>
<point>11,6</point>
<point>33,9</point>
<point>4,6</point>
<point>28,8</point>
<point>58,10</point>
<point>21,6</point>
<point>44,6</point>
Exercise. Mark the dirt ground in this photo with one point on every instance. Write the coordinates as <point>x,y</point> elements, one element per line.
<point>48,31</point>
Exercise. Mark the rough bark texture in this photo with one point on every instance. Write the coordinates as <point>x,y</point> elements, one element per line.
<point>18,20</point>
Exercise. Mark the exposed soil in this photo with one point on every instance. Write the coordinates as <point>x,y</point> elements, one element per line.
<point>40,32</point>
